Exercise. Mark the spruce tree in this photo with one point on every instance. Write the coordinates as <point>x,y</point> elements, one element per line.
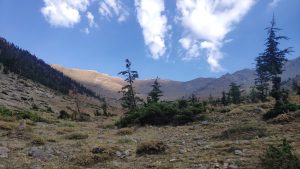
<point>224,99</point>
<point>155,93</point>
<point>129,99</point>
<point>193,99</point>
<point>269,64</point>
<point>235,93</point>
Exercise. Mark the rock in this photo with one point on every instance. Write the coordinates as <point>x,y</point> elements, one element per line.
<point>44,152</point>
<point>182,151</point>
<point>98,150</point>
<point>238,152</point>
<point>233,166</point>
<point>198,138</point>
<point>124,154</point>
<point>204,122</point>
<point>201,143</point>
<point>4,152</point>
<point>173,160</point>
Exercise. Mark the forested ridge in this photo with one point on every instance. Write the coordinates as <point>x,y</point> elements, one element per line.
<point>23,63</point>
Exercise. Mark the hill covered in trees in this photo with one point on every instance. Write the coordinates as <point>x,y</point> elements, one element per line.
<point>23,63</point>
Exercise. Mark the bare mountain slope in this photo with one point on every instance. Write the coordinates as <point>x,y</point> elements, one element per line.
<point>203,87</point>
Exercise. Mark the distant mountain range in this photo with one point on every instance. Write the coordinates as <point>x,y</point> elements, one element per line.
<point>109,86</point>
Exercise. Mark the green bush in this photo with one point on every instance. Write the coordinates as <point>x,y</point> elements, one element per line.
<point>163,113</point>
<point>4,112</point>
<point>280,157</point>
<point>280,108</point>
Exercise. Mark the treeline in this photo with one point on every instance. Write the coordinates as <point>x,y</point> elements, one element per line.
<point>23,63</point>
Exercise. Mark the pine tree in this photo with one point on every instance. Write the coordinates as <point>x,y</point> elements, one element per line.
<point>235,93</point>
<point>253,95</point>
<point>270,63</point>
<point>104,107</point>
<point>129,99</point>
<point>224,99</point>
<point>155,93</point>
<point>193,99</point>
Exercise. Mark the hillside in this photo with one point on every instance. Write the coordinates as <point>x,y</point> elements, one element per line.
<point>231,137</point>
<point>23,63</point>
<point>202,87</point>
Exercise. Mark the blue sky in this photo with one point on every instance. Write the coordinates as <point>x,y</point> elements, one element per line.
<point>172,39</point>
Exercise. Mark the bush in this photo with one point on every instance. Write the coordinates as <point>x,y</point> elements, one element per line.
<point>77,136</point>
<point>38,141</point>
<point>280,108</point>
<point>63,115</point>
<point>151,147</point>
<point>4,112</point>
<point>280,157</point>
<point>163,113</point>
<point>247,132</point>
<point>125,131</point>
<point>35,107</point>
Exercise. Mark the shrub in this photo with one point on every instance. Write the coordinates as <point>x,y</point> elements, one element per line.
<point>280,157</point>
<point>63,115</point>
<point>49,110</point>
<point>151,147</point>
<point>297,113</point>
<point>35,107</point>
<point>38,141</point>
<point>248,131</point>
<point>163,113</point>
<point>4,112</point>
<point>283,118</point>
<point>280,108</point>
<point>77,136</point>
<point>125,131</point>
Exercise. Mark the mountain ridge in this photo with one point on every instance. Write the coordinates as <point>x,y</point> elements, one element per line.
<point>203,86</point>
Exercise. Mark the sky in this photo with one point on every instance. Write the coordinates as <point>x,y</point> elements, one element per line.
<point>172,39</point>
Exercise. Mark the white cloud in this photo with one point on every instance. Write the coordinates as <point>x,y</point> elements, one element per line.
<point>111,8</point>
<point>154,24</point>
<point>90,18</point>
<point>207,23</point>
<point>274,3</point>
<point>86,31</point>
<point>64,13</point>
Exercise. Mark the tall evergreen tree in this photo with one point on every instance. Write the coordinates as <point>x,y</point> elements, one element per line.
<point>269,64</point>
<point>235,93</point>
<point>129,99</point>
<point>193,99</point>
<point>224,99</point>
<point>155,93</point>
<point>253,95</point>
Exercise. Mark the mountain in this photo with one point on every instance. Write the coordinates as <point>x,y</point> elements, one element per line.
<point>203,87</point>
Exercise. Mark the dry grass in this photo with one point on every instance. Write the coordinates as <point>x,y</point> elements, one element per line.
<point>95,144</point>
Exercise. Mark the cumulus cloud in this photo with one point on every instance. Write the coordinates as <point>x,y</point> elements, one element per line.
<point>150,15</point>
<point>274,3</point>
<point>64,13</point>
<point>113,8</point>
<point>207,23</point>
